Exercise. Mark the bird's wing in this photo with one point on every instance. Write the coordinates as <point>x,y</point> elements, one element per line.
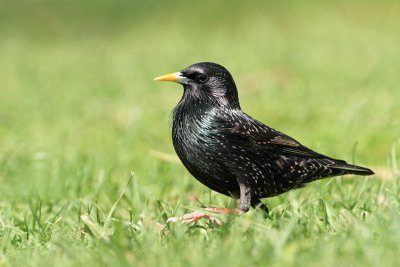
<point>248,131</point>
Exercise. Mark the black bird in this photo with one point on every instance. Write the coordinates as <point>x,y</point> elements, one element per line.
<point>234,154</point>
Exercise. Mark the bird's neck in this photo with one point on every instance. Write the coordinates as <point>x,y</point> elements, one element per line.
<point>191,109</point>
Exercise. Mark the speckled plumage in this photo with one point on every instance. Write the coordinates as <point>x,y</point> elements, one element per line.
<point>234,154</point>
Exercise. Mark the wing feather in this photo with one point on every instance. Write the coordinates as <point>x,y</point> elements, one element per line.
<point>251,132</point>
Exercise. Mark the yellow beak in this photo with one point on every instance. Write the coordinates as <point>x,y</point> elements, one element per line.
<point>172,77</point>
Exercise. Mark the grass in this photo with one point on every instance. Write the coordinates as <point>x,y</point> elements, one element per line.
<point>87,170</point>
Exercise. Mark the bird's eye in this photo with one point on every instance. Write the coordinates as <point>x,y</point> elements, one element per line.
<point>202,78</point>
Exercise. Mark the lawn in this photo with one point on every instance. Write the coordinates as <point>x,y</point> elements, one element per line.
<point>88,173</point>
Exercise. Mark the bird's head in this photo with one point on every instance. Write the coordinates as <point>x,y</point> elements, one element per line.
<point>206,82</point>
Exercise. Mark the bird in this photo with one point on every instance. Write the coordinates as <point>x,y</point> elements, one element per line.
<point>234,154</point>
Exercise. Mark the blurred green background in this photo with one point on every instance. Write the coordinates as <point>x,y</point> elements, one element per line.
<point>79,111</point>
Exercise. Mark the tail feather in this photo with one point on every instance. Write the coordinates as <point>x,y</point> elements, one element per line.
<point>352,169</point>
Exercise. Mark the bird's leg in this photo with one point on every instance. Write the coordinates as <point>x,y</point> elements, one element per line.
<point>245,203</point>
<point>244,206</point>
<point>247,200</point>
<point>245,197</point>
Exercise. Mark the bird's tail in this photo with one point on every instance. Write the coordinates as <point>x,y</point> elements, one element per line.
<point>352,169</point>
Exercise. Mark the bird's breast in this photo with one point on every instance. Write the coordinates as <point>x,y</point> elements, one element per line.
<point>197,147</point>
<point>191,133</point>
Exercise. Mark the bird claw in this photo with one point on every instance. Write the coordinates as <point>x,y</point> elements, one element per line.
<point>194,217</point>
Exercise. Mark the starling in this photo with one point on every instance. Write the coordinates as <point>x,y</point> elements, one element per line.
<point>234,154</point>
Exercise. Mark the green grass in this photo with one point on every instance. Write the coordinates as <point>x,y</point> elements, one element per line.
<point>88,174</point>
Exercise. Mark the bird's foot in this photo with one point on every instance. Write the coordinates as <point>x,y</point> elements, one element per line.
<point>225,210</point>
<point>198,215</point>
<point>194,217</point>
